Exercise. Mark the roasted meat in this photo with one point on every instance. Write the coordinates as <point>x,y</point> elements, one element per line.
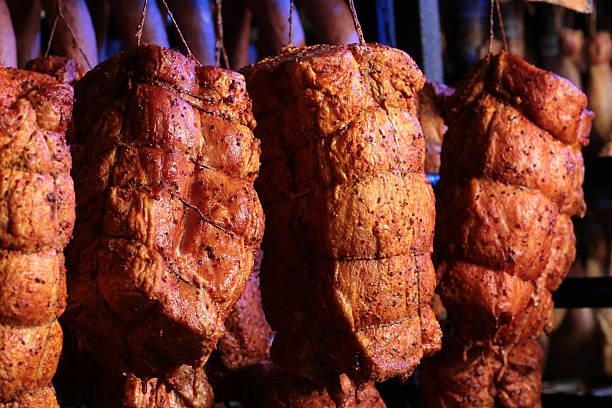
<point>347,277</point>
<point>430,104</point>
<point>241,369</point>
<point>483,377</point>
<point>36,220</point>
<point>248,336</point>
<point>63,69</point>
<point>185,387</point>
<point>169,222</point>
<point>511,178</point>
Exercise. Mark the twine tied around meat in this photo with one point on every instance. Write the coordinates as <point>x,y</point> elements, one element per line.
<point>75,42</point>
<point>356,21</point>
<point>220,46</point>
<point>169,13</point>
<point>495,4</point>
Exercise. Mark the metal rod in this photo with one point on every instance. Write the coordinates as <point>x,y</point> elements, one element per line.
<point>385,22</point>
<point>431,40</point>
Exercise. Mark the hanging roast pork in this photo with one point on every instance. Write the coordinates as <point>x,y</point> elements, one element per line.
<point>36,221</point>
<point>347,276</point>
<point>169,221</point>
<point>511,178</point>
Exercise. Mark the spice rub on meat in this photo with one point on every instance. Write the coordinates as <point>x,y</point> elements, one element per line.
<point>347,276</point>
<point>511,179</point>
<point>169,221</point>
<point>36,220</point>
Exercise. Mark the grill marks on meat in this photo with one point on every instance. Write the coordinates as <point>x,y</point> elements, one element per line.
<point>346,278</point>
<point>164,164</point>
<point>512,173</point>
<point>36,221</point>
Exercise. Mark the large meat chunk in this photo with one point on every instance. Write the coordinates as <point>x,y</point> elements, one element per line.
<point>241,369</point>
<point>36,220</point>
<point>347,276</point>
<point>169,219</point>
<point>511,178</point>
<point>482,377</point>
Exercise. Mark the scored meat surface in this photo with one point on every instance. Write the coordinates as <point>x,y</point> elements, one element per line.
<point>169,222</point>
<point>511,178</point>
<point>347,276</point>
<point>36,221</point>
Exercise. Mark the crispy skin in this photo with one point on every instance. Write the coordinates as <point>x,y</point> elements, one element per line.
<point>347,201</point>
<point>36,219</point>
<point>511,178</point>
<point>349,302</point>
<point>243,370</point>
<point>375,217</point>
<point>496,225</point>
<point>521,382</point>
<point>29,357</point>
<point>170,221</point>
<point>551,102</point>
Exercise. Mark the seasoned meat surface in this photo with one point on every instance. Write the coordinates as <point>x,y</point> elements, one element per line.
<point>482,377</point>
<point>241,369</point>
<point>63,69</point>
<point>430,102</point>
<point>36,220</point>
<point>347,276</point>
<point>185,387</point>
<point>169,223</point>
<point>511,179</point>
<point>248,336</point>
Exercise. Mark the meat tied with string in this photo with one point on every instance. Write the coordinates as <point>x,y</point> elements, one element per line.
<point>241,369</point>
<point>36,220</point>
<point>511,178</point>
<point>169,223</point>
<point>347,276</point>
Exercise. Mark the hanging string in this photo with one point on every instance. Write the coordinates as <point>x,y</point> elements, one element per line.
<point>178,29</point>
<point>356,21</point>
<point>491,29</point>
<point>75,43</point>
<point>501,24</point>
<point>51,36</point>
<point>220,46</point>
<point>141,23</point>
<point>290,23</point>
<point>593,20</point>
